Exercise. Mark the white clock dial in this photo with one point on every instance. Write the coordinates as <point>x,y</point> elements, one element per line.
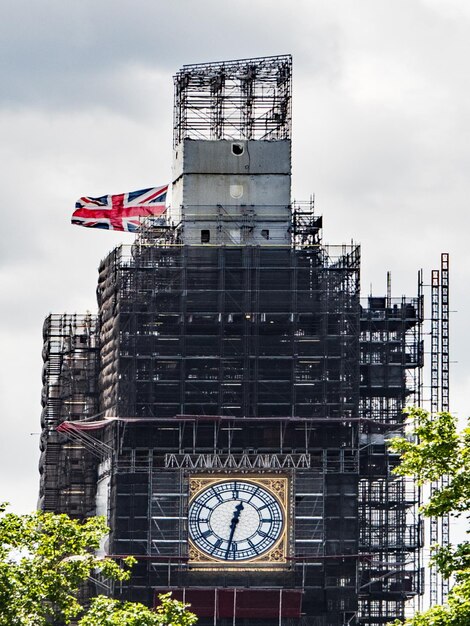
<point>235,520</point>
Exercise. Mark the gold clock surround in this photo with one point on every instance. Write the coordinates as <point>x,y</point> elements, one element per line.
<point>276,557</point>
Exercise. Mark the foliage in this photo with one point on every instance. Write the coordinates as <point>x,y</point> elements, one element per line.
<point>44,558</point>
<point>108,612</point>
<point>437,450</point>
<point>441,450</point>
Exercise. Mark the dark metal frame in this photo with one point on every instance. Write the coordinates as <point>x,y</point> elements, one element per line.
<point>243,99</point>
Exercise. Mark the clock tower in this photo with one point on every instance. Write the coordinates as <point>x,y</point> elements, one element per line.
<point>244,393</point>
<point>240,387</point>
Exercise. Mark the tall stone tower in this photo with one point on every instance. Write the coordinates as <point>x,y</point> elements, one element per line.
<point>232,399</point>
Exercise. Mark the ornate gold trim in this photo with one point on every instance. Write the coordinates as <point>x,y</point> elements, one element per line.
<point>278,486</point>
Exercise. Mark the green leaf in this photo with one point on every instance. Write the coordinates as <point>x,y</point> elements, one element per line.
<point>437,449</point>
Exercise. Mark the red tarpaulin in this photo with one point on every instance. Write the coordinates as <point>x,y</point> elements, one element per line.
<point>250,603</point>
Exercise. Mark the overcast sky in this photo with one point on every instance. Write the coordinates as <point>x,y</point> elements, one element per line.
<point>381,135</point>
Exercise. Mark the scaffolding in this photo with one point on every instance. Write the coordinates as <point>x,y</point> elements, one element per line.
<point>224,348</point>
<point>243,99</point>
<point>239,359</point>
<point>390,527</point>
<point>235,358</point>
<point>70,393</point>
<point>151,486</point>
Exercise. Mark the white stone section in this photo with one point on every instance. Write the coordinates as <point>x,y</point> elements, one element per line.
<point>232,192</point>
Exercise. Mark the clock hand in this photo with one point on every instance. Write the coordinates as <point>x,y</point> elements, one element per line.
<point>233,525</point>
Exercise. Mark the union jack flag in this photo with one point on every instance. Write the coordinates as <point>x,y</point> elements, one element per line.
<point>121,212</point>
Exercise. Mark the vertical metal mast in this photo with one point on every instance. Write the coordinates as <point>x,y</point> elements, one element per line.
<point>439,529</point>
<point>445,331</point>
<point>435,283</point>
<point>419,395</point>
<point>445,535</point>
<point>434,522</point>
<point>419,400</point>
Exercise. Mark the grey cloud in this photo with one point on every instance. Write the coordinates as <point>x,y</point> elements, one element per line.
<point>381,135</point>
<point>77,55</point>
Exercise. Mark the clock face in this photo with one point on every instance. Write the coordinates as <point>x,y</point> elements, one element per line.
<point>235,520</point>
